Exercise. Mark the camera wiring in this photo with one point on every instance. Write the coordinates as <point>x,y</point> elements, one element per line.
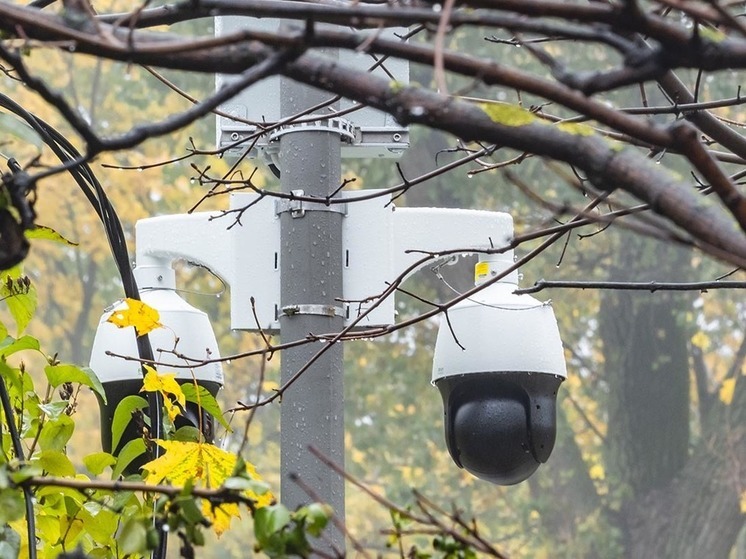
<point>28,496</point>
<point>97,197</point>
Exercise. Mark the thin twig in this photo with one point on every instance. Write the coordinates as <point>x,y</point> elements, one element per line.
<point>651,286</point>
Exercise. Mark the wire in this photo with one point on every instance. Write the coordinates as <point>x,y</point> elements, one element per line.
<point>94,192</point>
<point>18,448</point>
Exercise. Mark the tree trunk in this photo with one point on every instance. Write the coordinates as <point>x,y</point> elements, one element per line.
<point>673,503</point>
<point>697,514</point>
<point>647,370</point>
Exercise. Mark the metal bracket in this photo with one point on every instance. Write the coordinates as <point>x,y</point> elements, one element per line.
<point>341,126</point>
<point>317,310</point>
<point>298,208</point>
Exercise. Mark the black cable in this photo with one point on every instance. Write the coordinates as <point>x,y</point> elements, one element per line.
<point>18,448</point>
<point>40,3</point>
<point>96,195</point>
<point>90,186</point>
<point>275,169</point>
<point>94,192</point>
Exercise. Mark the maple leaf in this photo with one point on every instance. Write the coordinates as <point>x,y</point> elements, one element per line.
<point>168,387</point>
<point>138,314</point>
<point>207,466</point>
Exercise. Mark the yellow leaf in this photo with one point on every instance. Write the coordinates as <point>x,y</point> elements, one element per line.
<point>165,383</point>
<point>143,317</point>
<point>172,410</point>
<point>743,501</point>
<point>168,387</point>
<point>597,472</point>
<point>207,466</point>
<point>43,232</point>
<point>701,340</point>
<point>358,456</point>
<point>727,388</point>
<point>221,515</point>
<point>270,385</point>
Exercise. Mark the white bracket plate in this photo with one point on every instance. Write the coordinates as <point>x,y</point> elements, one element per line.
<point>380,242</point>
<point>376,134</point>
<point>367,258</point>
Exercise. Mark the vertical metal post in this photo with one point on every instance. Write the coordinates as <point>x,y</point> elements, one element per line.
<point>312,410</point>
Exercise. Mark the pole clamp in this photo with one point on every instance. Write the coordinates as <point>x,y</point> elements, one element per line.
<point>316,310</point>
<point>318,123</point>
<point>298,208</point>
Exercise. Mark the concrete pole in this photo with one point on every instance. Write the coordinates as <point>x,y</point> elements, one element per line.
<point>312,410</point>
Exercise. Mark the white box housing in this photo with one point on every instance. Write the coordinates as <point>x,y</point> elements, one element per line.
<point>375,133</point>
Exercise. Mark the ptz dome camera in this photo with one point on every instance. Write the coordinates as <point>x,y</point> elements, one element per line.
<point>498,364</point>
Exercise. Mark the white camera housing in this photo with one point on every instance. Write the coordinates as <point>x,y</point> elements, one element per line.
<point>185,329</point>
<point>498,364</point>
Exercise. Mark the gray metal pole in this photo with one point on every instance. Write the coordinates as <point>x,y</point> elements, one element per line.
<point>312,410</point>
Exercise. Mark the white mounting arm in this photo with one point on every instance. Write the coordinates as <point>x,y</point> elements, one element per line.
<point>202,238</point>
<point>378,240</point>
<point>440,229</point>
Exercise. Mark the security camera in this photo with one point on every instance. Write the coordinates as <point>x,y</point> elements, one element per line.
<point>498,364</point>
<point>121,378</point>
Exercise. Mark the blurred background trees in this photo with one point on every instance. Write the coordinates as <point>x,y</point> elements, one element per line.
<point>651,446</point>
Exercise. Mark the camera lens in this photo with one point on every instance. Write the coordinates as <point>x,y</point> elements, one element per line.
<point>500,426</point>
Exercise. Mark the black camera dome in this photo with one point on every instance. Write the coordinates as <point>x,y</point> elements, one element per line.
<point>500,426</point>
<point>498,363</point>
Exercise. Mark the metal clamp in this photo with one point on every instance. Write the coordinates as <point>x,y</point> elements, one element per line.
<point>317,310</point>
<point>341,126</point>
<point>298,208</point>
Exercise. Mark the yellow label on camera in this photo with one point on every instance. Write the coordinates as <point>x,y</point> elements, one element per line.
<point>481,271</point>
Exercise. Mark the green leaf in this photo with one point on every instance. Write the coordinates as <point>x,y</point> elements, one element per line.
<point>268,521</point>
<point>296,542</point>
<point>9,346</point>
<point>4,478</point>
<point>100,523</point>
<point>10,543</point>
<point>187,434</point>
<point>56,463</point>
<point>20,297</point>
<point>133,537</point>
<point>9,124</point>
<point>22,307</point>
<point>129,452</point>
<point>47,233</point>
<point>196,536</point>
<point>189,510</point>
<point>97,462</point>
<point>56,433</point>
<point>26,472</point>
<point>53,410</point>
<point>123,416</point>
<point>12,377</point>
<point>237,483</point>
<point>201,396</point>
<point>59,374</point>
<point>69,497</point>
<point>12,505</point>
<point>316,517</point>
<point>123,500</point>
